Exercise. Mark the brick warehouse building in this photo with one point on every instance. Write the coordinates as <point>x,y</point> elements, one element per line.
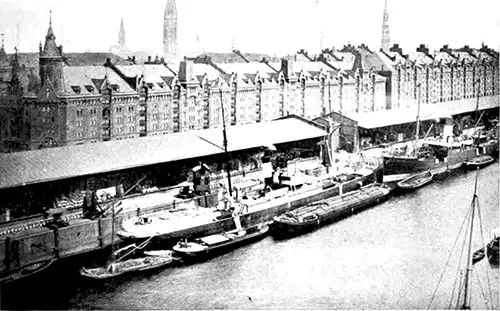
<point>68,104</point>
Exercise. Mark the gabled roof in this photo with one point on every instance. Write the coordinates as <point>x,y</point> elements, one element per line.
<point>31,60</point>
<point>37,166</point>
<point>205,69</point>
<point>312,67</point>
<point>152,74</point>
<point>76,80</point>
<point>245,68</point>
<point>420,59</point>
<point>464,56</point>
<point>444,57</point>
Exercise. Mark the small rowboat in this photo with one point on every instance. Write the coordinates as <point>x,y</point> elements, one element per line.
<point>126,266</point>
<point>478,255</point>
<point>479,161</point>
<point>416,181</point>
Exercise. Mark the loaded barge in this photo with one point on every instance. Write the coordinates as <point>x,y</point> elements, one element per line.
<point>317,214</point>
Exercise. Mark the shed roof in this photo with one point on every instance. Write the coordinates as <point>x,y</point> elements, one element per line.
<point>37,166</point>
<point>382,118</point>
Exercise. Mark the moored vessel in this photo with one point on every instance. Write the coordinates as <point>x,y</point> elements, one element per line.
<point>25,271</point>
<point>416,181</point>
<point>127,266</point>
<point>209,245</point>
<point>314,215</point>
<point>170,226</point>
<point>479,161</point>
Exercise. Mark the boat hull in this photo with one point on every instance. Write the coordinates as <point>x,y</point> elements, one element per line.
<point>479,162</point>
<point>190,254</point>
<point>25,271</point>
<point>398,168</point>
<point>266,214</point>
<point>416,181</point>
<point>284,229</point>
<point>127,267</point>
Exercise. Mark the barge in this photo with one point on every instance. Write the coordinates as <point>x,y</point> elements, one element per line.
<point>317,214</point>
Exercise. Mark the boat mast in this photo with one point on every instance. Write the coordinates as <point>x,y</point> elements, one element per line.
<point>477,111</point>
<point>418,120</point>
<point>224,142</point>
<point>466,303</point>
<point>112,258</point>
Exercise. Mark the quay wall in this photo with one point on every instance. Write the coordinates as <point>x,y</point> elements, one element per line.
<point>84,235</point>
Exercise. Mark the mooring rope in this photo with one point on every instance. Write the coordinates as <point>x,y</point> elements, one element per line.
<point>141,246</point>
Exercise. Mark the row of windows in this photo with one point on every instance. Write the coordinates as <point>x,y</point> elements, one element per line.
<point>130,119</point>
<point>156,126</point>
<point>47,120</point>
<point>81,112</point>
<point>119,130</point>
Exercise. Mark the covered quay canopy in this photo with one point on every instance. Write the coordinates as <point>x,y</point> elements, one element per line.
<point>37,166</point>
<point>383,118</point>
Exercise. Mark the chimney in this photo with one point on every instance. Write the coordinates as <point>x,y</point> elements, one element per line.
<point>287,69</point>
<point>445,48</point>
<point>186,71</point>
<point>423,49</point>
<point>149,59</point>
<point>395,48</point>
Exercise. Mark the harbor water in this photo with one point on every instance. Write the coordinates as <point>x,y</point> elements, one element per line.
<point>388,257</point>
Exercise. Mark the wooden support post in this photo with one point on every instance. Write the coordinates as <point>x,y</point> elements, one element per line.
<point>8,258</point>
<point>100,237</point>
<point>56,243</point>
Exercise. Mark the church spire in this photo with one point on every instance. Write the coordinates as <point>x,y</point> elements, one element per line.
<point>121,35</point>
<point>3,56</point>
<point>386,40</point>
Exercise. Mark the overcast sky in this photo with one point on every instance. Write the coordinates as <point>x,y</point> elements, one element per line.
<point>269,26</point>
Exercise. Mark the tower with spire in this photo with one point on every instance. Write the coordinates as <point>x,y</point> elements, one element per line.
<point>4,60</point>
<point>121,36</point>
<point>386,39</point>
<point>4,64</point>
<point>170,48</point>
<point>51,61</point>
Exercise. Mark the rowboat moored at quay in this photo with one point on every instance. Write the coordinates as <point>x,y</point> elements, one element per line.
<point>416,181</point>
<point>127,266</point>
<point>314,215</point>
<point>479,161</point>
